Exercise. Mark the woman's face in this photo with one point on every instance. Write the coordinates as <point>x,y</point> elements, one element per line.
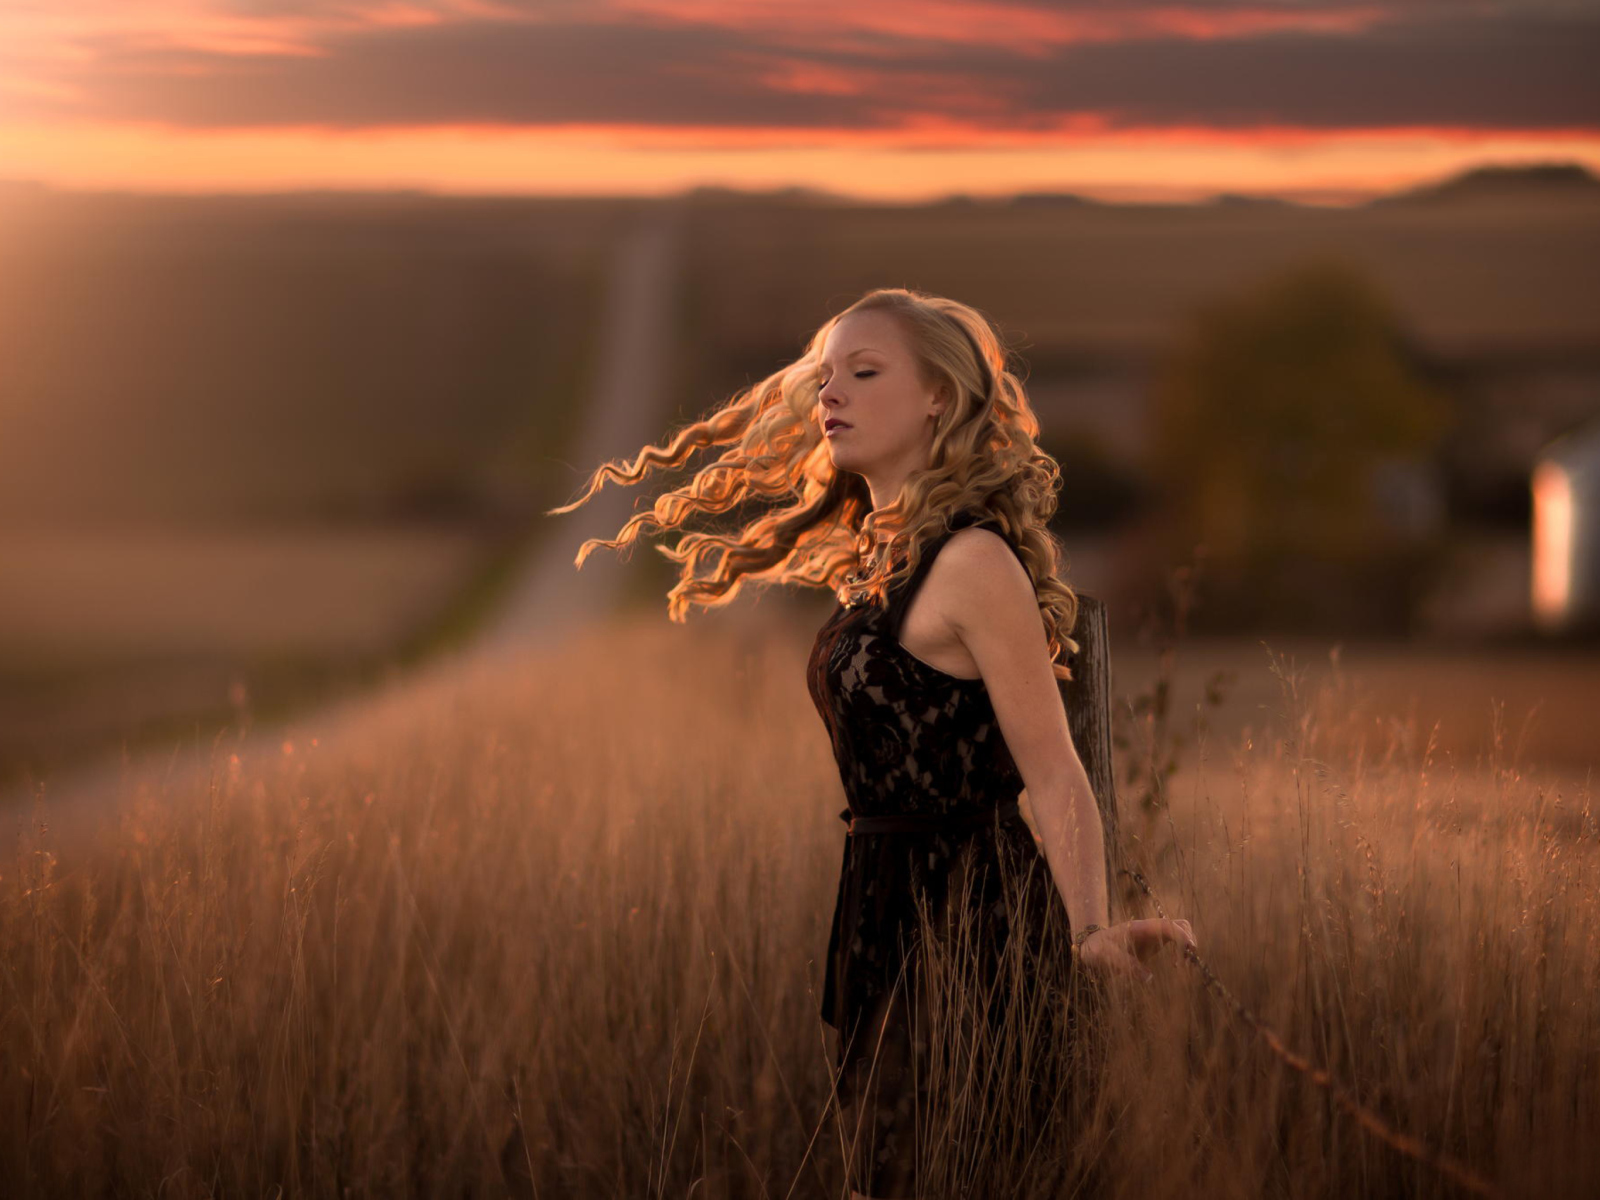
<point>879,410</point>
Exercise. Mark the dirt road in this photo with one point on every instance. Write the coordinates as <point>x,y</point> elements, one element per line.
<point>551,597</point>
<point>627,410</point>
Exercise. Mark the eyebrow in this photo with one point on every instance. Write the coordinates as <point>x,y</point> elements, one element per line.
<point>852,354</point>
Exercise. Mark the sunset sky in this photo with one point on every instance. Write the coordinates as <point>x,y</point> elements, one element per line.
<point>890,99</point>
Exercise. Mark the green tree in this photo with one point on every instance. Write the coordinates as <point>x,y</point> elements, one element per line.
<point>1273,418</point>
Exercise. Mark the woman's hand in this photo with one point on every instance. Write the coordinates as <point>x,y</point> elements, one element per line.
<point>1121,949</point>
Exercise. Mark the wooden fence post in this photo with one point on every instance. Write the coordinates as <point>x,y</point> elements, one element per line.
<point>1087,698</point>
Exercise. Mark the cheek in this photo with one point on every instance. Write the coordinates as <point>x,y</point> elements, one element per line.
<point>905,418</point>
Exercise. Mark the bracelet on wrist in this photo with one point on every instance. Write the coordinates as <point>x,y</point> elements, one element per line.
<point>1081,935</point>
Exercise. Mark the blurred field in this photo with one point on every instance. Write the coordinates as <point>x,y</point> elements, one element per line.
<point>1531,705</point>
<point>379,361</point>
<point>1071,283</point>
<point>114,628</point>
<point>262,442</point>
<point>194,358</point>
<point>194,591</point>
<point>556,928</point>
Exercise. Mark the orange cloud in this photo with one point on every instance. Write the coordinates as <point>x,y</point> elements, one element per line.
<point>939,158</point>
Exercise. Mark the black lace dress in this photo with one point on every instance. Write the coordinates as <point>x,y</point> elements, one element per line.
<point>932,793</point>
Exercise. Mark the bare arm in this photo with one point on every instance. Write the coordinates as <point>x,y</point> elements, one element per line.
<point>1069,825</point>
<point>991,608</point>
<point>989,604</point>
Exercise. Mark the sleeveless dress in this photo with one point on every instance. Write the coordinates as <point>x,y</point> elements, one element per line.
<point>932,792</point>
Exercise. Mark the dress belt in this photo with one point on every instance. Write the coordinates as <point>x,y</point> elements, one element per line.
<point>928,822</point>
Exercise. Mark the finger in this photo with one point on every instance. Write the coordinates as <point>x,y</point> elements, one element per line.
<point>1149,934</point>
<point>1163,932</point>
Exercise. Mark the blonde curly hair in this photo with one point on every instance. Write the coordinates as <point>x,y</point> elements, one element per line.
<point>819,528</point>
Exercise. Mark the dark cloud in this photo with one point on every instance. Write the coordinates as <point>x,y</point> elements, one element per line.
<point>1483,66</point>
<point>1499,71</point>
<point>479,71</point>
<point>1391,8</point>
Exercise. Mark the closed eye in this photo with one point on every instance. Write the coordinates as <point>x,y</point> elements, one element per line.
<point>822,383</point>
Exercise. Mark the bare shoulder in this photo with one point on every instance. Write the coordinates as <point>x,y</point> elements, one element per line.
<point>982,579</point>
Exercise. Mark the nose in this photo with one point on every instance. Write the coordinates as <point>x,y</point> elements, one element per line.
<point>827,396</point>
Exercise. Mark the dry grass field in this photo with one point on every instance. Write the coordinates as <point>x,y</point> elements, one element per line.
<point>555,928</point>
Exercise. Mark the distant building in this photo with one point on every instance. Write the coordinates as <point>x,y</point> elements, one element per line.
<point>1565,583</point>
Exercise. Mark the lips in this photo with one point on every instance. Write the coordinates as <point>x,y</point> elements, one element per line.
<point>833,423</point>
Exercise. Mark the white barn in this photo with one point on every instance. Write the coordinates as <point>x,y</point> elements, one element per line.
<point>1565,578</point>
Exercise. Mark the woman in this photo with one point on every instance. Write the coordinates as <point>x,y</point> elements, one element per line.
<point>896,465</point>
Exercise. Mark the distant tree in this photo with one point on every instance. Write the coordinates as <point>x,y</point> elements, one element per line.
<point>1278,419</point>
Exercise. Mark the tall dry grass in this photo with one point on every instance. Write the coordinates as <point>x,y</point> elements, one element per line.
<point>557,929</point>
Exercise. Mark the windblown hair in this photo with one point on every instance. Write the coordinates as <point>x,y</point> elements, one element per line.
<point>818,526</point>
